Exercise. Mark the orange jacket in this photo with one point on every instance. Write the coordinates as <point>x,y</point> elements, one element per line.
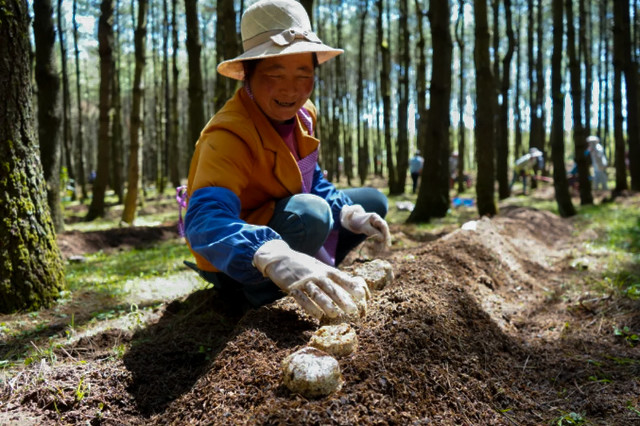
<point>240,151</point>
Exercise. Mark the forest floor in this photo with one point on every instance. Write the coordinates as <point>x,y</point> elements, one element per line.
<point>497,325</point>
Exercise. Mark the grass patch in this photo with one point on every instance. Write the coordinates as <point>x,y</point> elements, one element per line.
<point>106,272</point>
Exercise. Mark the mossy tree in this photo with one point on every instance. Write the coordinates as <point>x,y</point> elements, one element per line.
<point>31,268</point>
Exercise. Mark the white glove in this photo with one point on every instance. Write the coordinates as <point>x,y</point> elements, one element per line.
<point>318,288</point>
<point>356,220</point>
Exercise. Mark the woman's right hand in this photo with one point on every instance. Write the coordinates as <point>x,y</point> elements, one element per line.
<point>318,288</point>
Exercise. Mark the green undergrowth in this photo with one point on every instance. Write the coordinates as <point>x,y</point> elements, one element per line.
<point>106,272</point>
<point>616,238</point>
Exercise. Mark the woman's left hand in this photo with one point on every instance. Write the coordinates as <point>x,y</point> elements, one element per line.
<point>356,220</point>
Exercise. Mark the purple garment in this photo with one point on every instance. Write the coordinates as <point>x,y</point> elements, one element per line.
<point>306,165</point>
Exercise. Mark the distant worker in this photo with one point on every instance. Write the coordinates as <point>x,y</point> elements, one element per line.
<point>415,168</point>
<point>453,165</point>
<point>599,162</point>
<point>525,166</point>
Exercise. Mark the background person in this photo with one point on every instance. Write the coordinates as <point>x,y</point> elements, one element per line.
<point>599,163</point>
<point>415,169</point>
<point>262,221</point>
<point>525,166</point>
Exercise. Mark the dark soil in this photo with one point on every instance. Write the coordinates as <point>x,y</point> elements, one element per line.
<point>479,327</point>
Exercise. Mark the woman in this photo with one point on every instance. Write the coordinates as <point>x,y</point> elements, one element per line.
<point>261,219</point>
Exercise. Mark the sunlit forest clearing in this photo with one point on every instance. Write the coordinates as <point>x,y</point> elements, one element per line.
<point>516,280</point>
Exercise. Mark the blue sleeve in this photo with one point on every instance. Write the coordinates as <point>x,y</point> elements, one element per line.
<point>325,189</point>
<point>215,231</point>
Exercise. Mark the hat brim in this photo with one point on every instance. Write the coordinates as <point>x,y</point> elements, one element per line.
<point>233,68</point>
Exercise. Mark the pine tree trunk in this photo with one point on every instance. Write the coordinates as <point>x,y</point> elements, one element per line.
<point>81,176</point>
<point>620,44</point>
<point>67,142</point>
<point>402,142</point>
<point>485,101</point>
<point>622,23</point>
<point>579,137</point>
<point>337,159</point>
<point>539,135</point>
<point>585,48</point>
<point>433,194</point>
<point>31,267</point>
<point>618,132</point>
<point>174,149</point>
<point>460,30</point>
<point>560,182</point>
<point>196,92</point>
<point>385,92</point>
<point>135,130</point>
<point>117,143</point>
<point>166,103</point>
<point>48,84</point>
<point>227,49</point>
<point>105,48</point>
<point>362,139</point>
<point>517,148</point>
<point>502,163</point>
<point>531,73</point>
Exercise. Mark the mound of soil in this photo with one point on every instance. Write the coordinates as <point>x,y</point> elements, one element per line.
<point>480,326</point>
<point>78,243</point>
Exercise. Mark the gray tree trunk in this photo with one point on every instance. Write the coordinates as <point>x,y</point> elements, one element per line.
<point>105,49</point>
<point>433,194</point>
<point>560,182</point>
<point>31,267</point>
<point>48,84</point>
<point>135,130</point>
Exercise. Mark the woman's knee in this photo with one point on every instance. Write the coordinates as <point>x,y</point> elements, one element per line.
<point>304,222</point>
<point>371,199</point>
<point>313,211</point>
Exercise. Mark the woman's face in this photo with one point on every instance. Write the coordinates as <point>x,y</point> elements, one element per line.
<point>282,84</point>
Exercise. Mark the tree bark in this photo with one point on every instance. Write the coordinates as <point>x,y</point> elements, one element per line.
<point>166,102</point>
<point>48,84</point>
<point>67,142</point>
<point>618,117</point>
<point>485,101</point>
<point>385,92</point>
<point>117,143</point>
<point>135,130</point>
<point>81,177</point>
<point>460,30</point>
<point>227,48</point>
<point>579,137</point>
<point>585,48</point>
<point>622,25</point>
<point>174,149</point>
<point>362,139</point>
<point>560,182</point>
<point>402,142</point>
<point>196,101</point>
<point>502,149</point>
<point>31,267</point>
<point>433,194</point>
<point>105,48</point>
<point>517,113</point>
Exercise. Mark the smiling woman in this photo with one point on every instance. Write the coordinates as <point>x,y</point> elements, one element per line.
<point>262,221</point>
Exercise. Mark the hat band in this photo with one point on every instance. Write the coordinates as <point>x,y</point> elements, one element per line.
<point>281,38</point>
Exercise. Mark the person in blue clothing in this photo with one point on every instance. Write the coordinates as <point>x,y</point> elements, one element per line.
<point>415,169</point>
<point>262,221</point>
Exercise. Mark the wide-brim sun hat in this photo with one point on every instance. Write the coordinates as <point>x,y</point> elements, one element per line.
<point>274,28</point>
<point>535,152</point>
<point>593,140</point>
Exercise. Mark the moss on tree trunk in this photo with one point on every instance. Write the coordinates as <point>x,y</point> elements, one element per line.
<point>31,267</point>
